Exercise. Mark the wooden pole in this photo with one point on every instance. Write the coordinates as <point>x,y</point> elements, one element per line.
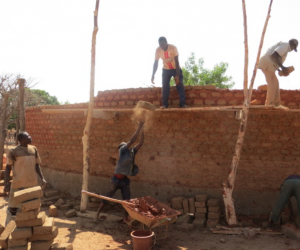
<point>228,185</point>
<point>21,83</point>
<point>86,132</point>
<point>246,52</point>
<point>3,125</point>
<point>259,50</point>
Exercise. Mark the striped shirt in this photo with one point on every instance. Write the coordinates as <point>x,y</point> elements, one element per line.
<point>167,56</point>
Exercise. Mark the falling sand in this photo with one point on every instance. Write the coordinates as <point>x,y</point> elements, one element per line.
<point>142,113</point>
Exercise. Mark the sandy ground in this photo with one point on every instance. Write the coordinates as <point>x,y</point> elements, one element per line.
<point>109,234</point>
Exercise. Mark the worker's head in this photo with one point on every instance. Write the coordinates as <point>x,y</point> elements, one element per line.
<point>122,144</point>
<point>294,44</point>
<point>24,138</point>
<point>163,44</point>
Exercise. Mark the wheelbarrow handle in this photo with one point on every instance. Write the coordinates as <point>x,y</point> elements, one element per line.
<point>107,198</point>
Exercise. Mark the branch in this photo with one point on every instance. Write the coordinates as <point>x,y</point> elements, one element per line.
<point>246,53</point>
<point>259,52</point>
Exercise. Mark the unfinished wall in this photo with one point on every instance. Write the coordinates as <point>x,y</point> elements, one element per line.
<point>185,151</point>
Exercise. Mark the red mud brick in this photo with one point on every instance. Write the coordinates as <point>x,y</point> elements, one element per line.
<point>192,205</point>
<point>185,204</point>
<point>28,194</point>
<point>200,204</point>
<point>5,234</point>
<point>44,237</point>
<point>34,222</point>
<point>21,233</point>
<point>53,211</point>
<point>201,197</point>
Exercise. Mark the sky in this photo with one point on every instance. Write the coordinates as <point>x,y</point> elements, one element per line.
<point>50,41</point>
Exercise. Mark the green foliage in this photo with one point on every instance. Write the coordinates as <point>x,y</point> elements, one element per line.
<point>196,74</point>
<point>36,97</point>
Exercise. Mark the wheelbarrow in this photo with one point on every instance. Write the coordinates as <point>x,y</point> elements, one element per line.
<point>170,215</point>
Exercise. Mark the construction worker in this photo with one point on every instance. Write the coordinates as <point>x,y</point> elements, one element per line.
<point>169,54</point>
<point>272,61</point>
<point>125,166</point>
<point>24,160</point>
<point>289,188</point>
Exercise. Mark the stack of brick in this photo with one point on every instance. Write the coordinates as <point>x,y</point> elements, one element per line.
<point>50,197</point>
<point>31,225</point>
<point>213,212</point>
<point>177,204</point>
<point>68,207</point>
<point>200,210</point>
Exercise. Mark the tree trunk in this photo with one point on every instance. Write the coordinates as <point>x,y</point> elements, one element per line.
<point>21,83</point>
<point>3,127</point>
<point>17,123</point>
<point>86,132</point>
<point>228,185</point>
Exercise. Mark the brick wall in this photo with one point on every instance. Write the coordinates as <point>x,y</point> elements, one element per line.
<point>196,96</point>
<point>185,151</point>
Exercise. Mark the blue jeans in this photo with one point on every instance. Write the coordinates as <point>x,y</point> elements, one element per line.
<point>123,185</point>
<point>289,188</point>
<point>166,77</point>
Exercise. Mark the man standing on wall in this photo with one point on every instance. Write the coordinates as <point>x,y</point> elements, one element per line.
<point>125,166</point>
<point>169,54</point>
<point>289,188</point>
<point>272,61</point>
<point>24,160</point>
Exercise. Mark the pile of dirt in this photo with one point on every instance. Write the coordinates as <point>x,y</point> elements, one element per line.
<point>151,208</point>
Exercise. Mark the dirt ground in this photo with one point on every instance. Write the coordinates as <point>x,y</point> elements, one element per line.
<point>109,234</point>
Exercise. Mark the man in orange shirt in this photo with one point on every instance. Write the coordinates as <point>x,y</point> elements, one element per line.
<point>169,54</point>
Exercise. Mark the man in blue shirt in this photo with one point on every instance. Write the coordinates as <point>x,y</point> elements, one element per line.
<point>125,167</point>
<point>289,188</point>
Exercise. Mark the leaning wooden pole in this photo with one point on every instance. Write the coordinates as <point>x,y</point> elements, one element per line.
<point>259,50</point>
<point>86,132</point>
<point>21,83</point>
<point>228,185</point>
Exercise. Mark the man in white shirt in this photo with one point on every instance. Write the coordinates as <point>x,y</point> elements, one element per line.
<point>272,61</point>
<point>169,54</point>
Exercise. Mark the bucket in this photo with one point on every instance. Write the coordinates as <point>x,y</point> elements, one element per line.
<point>142,239</point>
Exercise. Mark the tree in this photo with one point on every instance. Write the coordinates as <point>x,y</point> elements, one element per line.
<point>37,97</point>
<point>8,105</point>
<point>196,74</point>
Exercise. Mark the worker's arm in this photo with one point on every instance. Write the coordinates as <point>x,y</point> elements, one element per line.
<point>39,172</point>
<point>155,66</point>
<point>136,134</point>
<point>177,67</point>
<point>140,144</point>
<point>7,179</point>
<point>278,60</point>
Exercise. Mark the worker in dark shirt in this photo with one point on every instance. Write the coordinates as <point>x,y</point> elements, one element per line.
<point>125,167</point>
<point>289,188</point>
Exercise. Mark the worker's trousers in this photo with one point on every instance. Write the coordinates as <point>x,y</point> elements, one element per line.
<point>166,77</point>
<point>289,188</point>
<point>273,94</point>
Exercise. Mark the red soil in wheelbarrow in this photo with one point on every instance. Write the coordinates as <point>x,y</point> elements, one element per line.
<point>151,208</point>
